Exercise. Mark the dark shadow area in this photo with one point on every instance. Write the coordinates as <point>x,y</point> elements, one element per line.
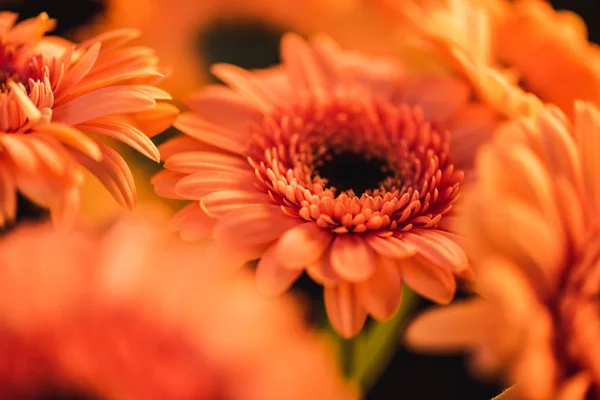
<point>70,15</point>
<point>247,44</point>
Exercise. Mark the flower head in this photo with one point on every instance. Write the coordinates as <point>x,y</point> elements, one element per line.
<point>512,51</point>
<point>539,320</point>
<point>126,314</point>
<point>331,163</point>
<point>52,94</point>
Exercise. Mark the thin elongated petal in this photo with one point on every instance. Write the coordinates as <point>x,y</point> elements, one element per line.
<point>344,311</point>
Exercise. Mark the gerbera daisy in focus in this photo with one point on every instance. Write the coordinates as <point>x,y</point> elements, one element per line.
<point>510,50</point>
<point>331,163</point>
<point>538,322</point>
<point>126,314</point>
<point>186,32</point>
<point>53,93</point>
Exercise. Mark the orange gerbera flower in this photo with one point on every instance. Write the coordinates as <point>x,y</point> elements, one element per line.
<point>540,320</point>
<point>331,163</point>
<point>505,46</point>
<point>176,28</point>
<point>52,91</point>
<point>126,314</point>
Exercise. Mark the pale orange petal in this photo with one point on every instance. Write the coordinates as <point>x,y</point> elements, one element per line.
<point>352,258</point>
<point>390,246</point>
<point>253,225</point>
<point>125,133</point>
<point>102,102</point>
<point>452,328</point>
<point>380,294</point>
<point>198,185</point>
<point>345,312</point>
<point>272,277</point>
<point>221,137</point>
<point>114,174</point>
<point>191,162</point>
<point>164,184</point>
<point>193,223</point>
<point>300,62</point>
<point>434,282</point>
<point>437,249</point>
<point>221,105</point>
<point>322,272</point>
<point>246,83</point>
<point>219,204</point>
<point>303,245</point>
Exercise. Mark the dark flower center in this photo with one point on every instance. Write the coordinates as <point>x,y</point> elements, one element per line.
<point>348,170</point>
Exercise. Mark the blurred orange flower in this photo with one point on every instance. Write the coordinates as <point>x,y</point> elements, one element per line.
<point>127,314</point>
<point>510,49</point>
<point>531,224</point>
<point>174,27</point>
<point>332,163</point>
<point>52,93</point>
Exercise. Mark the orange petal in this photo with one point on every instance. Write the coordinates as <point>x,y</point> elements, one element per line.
<point>164,184</point>
<point>102,102</point>
<point>253,225</point>
<point>434,282</point>
<point>246,83</point>
<point>198,185</point>
<point>181,144</point>
<point>299,60</point>
<point>216,135</point>
<point>125,133</point>
<point>391,246</point>
<point>156,120</point>
<point>271,277</point>
<point>219,204</point>
<point>453,328</point>
<point>345,312</point>
<point>322,272</point>
<point>114,174</point>
<point>193,223</point>
<point>352,258</point>
<point>303,245</point>
<point>223,106</point>
<point>202,161</point>
<point>438,249</point>
<point>380,294</point>
<point>73,137</point>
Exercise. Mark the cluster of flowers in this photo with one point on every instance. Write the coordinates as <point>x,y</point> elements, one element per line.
<point>337,164</point>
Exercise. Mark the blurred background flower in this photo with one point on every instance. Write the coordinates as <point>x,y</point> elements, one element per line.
<point>54,93</point>
<point>125,313</point>
<point>538,321</point>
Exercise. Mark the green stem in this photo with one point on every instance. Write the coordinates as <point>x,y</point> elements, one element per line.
<point>378,345</point>
<point>364,357</point>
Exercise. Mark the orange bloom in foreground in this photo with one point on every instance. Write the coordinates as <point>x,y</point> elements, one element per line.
<point>52,93</point>
<point>510,48</point>
<point>333,164</point>
<point>127,314</point>
<point>532,229</point>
